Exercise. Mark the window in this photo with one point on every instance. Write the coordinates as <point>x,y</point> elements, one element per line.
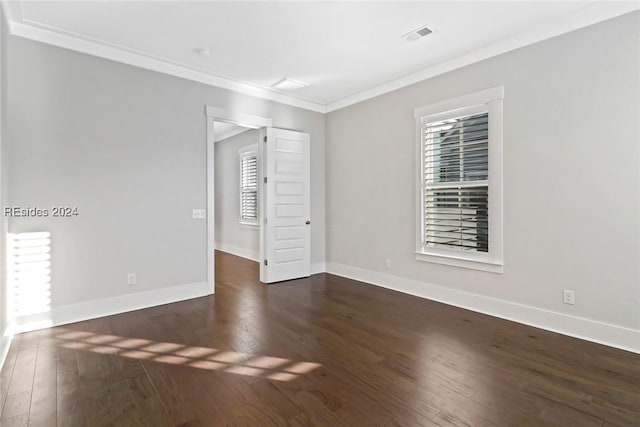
<point>460,181</point>
<point>249,185</point>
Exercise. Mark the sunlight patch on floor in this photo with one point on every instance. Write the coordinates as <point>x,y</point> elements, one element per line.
<point>273,368</point>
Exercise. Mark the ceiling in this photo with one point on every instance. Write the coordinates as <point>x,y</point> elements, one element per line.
<point>223,130</point>
<point>345,51</point>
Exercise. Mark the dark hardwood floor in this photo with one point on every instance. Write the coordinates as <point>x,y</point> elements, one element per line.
<point>322,351</point>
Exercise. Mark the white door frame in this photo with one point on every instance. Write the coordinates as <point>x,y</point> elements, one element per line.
<point>217,114</point>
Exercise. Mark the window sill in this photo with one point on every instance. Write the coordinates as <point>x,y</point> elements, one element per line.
<point>452,260</point>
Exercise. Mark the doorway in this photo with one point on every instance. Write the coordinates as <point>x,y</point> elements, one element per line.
<point>273,184</point>
<point>236,198</point>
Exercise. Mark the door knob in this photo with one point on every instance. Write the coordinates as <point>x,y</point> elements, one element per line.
<point>308,222</point>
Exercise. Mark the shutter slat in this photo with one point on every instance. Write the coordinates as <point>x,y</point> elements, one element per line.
<point>449,168</point>
<point>448,137</point>
<point>456,132</point>
<point>453,244</point>
<point>467,154</point>
<point>455,151</point>
<point>461,138</point>
<point>460,161</point>
<point>469,235</point>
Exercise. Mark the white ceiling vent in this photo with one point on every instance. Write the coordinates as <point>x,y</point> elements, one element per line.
<point>416,34</point>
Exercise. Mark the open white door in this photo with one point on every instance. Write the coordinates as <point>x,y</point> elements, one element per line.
<point>286,210</point>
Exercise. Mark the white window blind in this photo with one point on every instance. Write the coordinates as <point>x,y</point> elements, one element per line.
<point>249,188</point>
<point>456,183</point>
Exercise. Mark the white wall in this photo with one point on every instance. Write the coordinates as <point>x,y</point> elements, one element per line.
<point>127,147</point>
<point>231,236</point>
<point>571,186</point>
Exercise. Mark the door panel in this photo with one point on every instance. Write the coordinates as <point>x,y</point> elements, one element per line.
<point>287,206</point>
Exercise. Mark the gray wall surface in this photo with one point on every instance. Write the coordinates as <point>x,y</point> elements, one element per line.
<point>230,235</point>
<point>3,182</point>
<point>571,175</point>
<point>127,147</point>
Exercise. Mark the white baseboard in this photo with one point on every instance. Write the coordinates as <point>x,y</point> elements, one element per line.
<point>579,327</point>
<point>106,307</point>
<point>5,343</point>
<point>318,267</point>
<point>238,251</point>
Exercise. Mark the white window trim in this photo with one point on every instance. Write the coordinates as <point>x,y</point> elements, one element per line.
<point>249,151</point>
<point>489,100</point>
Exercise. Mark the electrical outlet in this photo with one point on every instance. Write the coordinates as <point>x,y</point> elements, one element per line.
<point>199,214</point>
<point>387,263</point>
<point>131,279</point>
<point>568,297</point>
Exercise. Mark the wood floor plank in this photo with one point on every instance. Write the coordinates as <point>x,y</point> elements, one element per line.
<point>320,351</point>
<point>7,369</point>
<point>168,383</point>
<point>92,387</point>
<point>17,421</point>
<point>43,410</point>
<point>69,409</point>
<point>143,393</point>
<point>23,370</point>
<point>159,385</point>
<point>16,404</point>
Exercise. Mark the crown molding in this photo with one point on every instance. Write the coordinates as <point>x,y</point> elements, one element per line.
<point>78,43</point>
<point>592,14</point>
<point>596,12</point>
